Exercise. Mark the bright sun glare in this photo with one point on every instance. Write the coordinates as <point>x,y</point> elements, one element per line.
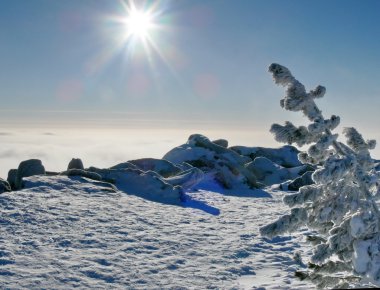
<point>137,33</point>
<point>138,23</point>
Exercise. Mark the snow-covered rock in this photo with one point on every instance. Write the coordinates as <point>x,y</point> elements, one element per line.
<point>186,179</point>
<point>75,163</point>
<point>200,148</point>
<point>124,165</point>
<point>285,156</point>
<point>163,167</point>
<point>4,186</point>
<point>83,173</point>
<point>184,166</point>
<point>239,165</point>
<point>377,165</point>
<point>148,185</point>
<point>196,156</point>
<point>198,140</point>
<point>221,142</point>
<point>227,165</point>
<point>303,180</point>
<point>12,174</point>
<point>269,173</point>
<point>28,168</point>
<point>262,167</point>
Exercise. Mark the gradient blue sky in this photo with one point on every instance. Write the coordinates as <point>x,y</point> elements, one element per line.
<point>62,61</point>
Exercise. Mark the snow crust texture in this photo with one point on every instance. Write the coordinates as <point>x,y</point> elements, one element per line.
<point>64,232</point>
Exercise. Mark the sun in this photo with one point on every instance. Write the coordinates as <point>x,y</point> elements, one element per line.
<point>138,23</point>
<point>138,32</point>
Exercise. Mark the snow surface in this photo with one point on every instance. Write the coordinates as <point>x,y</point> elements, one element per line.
<point>63,232</point>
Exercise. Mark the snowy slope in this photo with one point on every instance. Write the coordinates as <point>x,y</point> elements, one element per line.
<point>63,232</point>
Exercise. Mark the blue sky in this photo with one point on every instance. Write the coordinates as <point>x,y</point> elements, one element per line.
<point>62,60</point>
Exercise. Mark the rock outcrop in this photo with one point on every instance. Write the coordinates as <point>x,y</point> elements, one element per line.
<point>82,173</point>
<point>163,167</point>
<point>184,167</point>
<point>286,156</point>
<point>75,163</point>
<point>269,173</point>
<point>235,166</point>
<point>28,168</point>
<point>12,175</point>
<point>227,165</point>
<point>149,185</point>
<point>303,180</point>
<point>4,186</point>
<point>221,142</point>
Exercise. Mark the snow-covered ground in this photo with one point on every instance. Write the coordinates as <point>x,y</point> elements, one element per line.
<point>63,232</point>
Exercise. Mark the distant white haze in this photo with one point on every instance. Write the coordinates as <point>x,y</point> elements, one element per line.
<point>101,146</point>
<point>105,142</point>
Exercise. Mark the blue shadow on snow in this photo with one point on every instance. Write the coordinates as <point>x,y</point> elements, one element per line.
<point>197,204</point>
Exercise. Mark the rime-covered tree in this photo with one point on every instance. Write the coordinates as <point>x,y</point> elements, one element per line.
<point>341,205</point>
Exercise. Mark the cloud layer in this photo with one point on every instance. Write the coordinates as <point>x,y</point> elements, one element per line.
<point>106,147</point>
<point>99,147</point>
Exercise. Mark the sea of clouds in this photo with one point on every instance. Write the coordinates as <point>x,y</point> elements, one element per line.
<point>103,147</point>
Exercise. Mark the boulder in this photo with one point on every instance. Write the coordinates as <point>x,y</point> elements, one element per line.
<point>124,165</point>
<point>305,168</point>
<point>148,185</point>
<point>163,167</point>
<point>226,165</point>
<point>377,165</point>
<point>195,156</point>
<point>4,186</point>
<point>199,140</point>
<point>82,173</point>
<point>28,168</point>
<point>12,174</point>
<point>269,173</point>
<point>75,163</point>
<point>185,166</point>
<point>303,180</point>
<point>221,142</point>
<point>186,179</point>
<point>286,156</point>
<point>263,167</point>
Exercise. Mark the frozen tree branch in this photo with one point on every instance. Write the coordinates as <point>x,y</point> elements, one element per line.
<point>340,206</point>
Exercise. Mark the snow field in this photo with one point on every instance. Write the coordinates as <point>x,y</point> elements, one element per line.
<point>63,232</point>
